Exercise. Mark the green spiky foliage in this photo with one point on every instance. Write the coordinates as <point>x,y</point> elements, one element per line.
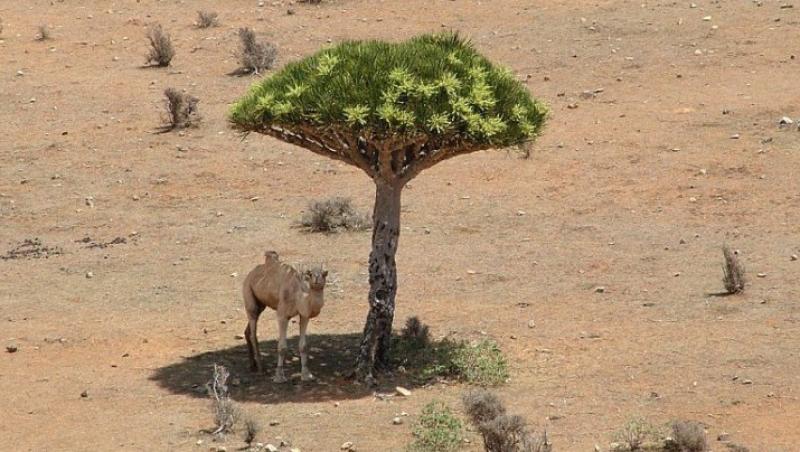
<point>434,93</point>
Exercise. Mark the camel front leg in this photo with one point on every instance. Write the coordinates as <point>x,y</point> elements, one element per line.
<point>305,375</point>
<point>283,323</point>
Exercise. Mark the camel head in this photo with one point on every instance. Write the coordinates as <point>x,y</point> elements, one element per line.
<point>315,278</point>
<point>270,256</point>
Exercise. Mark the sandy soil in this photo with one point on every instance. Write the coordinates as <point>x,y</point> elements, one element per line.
<point>633,188</point>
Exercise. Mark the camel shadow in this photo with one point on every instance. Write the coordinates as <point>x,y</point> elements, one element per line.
<point>331,360</point>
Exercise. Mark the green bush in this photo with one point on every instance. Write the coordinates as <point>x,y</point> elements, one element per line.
<point>436,430</point>
<point>481,363</point>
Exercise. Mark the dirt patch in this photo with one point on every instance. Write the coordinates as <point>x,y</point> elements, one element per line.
<point>31,249</point>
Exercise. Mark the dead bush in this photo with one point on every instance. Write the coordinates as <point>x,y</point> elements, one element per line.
<point>161,50</point>
<point>207,19</point>
<point>334,215</point>
<point>254,56</point>
<point>415,333</point>
<point>43,33</point>
<point>224,409</point>
<point>181,110</point>
<point>689,436</point>
<point>501,432</point>
<point>733,271</point>
<point>482,406</point>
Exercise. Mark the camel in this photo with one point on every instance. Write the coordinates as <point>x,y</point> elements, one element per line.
<point>289,293</point>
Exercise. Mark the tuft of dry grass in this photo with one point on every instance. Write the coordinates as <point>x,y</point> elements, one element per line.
<point>254,56</point>
<point>689,436</point>
<point>43,33</point>
<point>635,433</point>
<point>161,49</point>
<point>733,271</point>
<point>501,432</point>
<point>334,215</point>
<point>252,427</point>
<point>181,110</point>
<point>207,19</point>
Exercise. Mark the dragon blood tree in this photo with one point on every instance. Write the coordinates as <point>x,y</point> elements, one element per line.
<point>392,110</point>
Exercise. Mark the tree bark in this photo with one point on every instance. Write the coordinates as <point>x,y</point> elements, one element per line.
<point>376,340</point>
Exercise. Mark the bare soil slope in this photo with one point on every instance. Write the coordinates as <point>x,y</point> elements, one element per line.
<point>663,144</point>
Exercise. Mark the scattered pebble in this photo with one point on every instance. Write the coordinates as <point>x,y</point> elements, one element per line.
<point>85,394</point>
<point>11,348</point>
<point>531,324</point>
<point>762,275</point>
<point>735,136</point>
<point>271,448</point>
<point>599,289</point>
<point>785,121</point>
<point>347,446</point>
<point>397,421</point>
<point>724,437</point>
<point>89,275</point>
<point>273,423</point>
<point>793,257</point>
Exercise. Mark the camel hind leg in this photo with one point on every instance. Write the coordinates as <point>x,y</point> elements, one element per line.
<point>254,310</point>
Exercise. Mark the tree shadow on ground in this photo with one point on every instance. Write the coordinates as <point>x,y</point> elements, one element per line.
<point>331,360</point>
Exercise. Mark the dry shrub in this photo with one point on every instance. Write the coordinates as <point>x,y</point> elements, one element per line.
<point>224,409</point>
<point>43,33</point>
<point>161,50</point>
<point>255,56</point>
<point>689,436</point>
<point>733,272</point>
<point>416,333</point>
<point>501,432</point>
<point>252,427</point>
<point>207,19</point>
<point>181,110</point>
<point>482,406</point>
<point>635,433</point>
<point>333,215</point>
<point>437,430</point>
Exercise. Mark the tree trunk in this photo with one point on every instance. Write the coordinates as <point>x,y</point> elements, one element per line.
<point>376,340</point>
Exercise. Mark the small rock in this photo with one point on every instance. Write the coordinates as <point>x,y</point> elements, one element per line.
<point>199,442</point>
<point>599,289</point>
<point>85,394</point>
<point>290,12</point>
<point>271,448</point>
<point>531,324</point>
<point>735,136</point>
<point>785,121</point>
<point>724,437</point>
<point>20,73</point>
<point>347,446</point>
<point>239,336</point>
<point>698,52</point>
<point>403,391</point>
<point>273,423</point>
<point>397,421</point>
<point>793,257</point>
<point>11,348</point>
<point>747,382</point>
<point>707,18</point>
<point>89,275</point>
<point>762,275</point>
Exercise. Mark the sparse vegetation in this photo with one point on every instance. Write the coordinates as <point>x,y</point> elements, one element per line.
<point>436,430</point>
<point>689,436</point>
<point>481,363</point>
<point>161,49</point>
<point>501,432</point>
<point>733,271</point>
<point>224,409</point>
<point>43,33</point>
<point>207,19</point>
<point>181,109</point>
<point>334,215</point>
<point>635,433</point>
<point>254,56</point>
